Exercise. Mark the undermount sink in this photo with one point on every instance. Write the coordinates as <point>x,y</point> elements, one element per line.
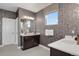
<point>29,34</point>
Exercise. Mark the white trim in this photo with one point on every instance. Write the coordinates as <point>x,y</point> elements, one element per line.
<point>1,45</point>
<point>5,45</point>
<point>19,47</point>
<point>44,47</point>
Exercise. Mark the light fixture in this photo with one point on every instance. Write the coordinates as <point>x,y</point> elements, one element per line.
<point>28,17</point>
<point>24,17</point>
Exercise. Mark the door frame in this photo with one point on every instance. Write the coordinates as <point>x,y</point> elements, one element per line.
<point>16,39</point>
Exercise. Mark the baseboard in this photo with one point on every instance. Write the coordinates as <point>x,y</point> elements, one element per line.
<point>44,47</point>
<point>18,47</point>
<point>1,45</point>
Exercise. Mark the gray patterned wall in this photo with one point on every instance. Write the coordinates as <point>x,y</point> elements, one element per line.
<point>7,14</point>
<point>41,27</point>
<point>69,18</point>
<point>24,12</point>
<point>68,21</point>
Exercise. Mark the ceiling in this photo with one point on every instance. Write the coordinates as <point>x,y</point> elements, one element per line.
<point>34,7</point>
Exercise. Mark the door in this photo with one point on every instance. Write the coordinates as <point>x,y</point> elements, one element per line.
<point>8,31</point>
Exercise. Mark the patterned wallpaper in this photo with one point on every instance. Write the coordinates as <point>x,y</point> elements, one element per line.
<point>69,18</point>
<point>68,21</point>
<point>41,27</point>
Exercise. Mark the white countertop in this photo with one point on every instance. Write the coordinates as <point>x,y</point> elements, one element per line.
<point>30,34</point>
<point>67,45</point>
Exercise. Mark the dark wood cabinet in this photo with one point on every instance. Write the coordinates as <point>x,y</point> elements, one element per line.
<point>55,52</point>
<point>29,41</point>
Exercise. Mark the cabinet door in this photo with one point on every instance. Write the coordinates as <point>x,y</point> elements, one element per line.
<point>28,42</point>
<point>36,40</point>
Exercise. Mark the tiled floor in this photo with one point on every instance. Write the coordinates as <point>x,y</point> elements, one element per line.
<point>12,50</point>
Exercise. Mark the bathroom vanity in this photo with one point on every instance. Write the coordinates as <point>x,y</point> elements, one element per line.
<point>64,47</point>
<point>28,36</point>
<point>29,40</point>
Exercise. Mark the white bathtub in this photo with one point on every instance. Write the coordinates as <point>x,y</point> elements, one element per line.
<point>67,44</point>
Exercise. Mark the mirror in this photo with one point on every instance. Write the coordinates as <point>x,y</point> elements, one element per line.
<point>27,26</point>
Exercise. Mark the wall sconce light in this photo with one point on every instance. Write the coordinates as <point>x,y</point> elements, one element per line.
<point>73,31</point>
